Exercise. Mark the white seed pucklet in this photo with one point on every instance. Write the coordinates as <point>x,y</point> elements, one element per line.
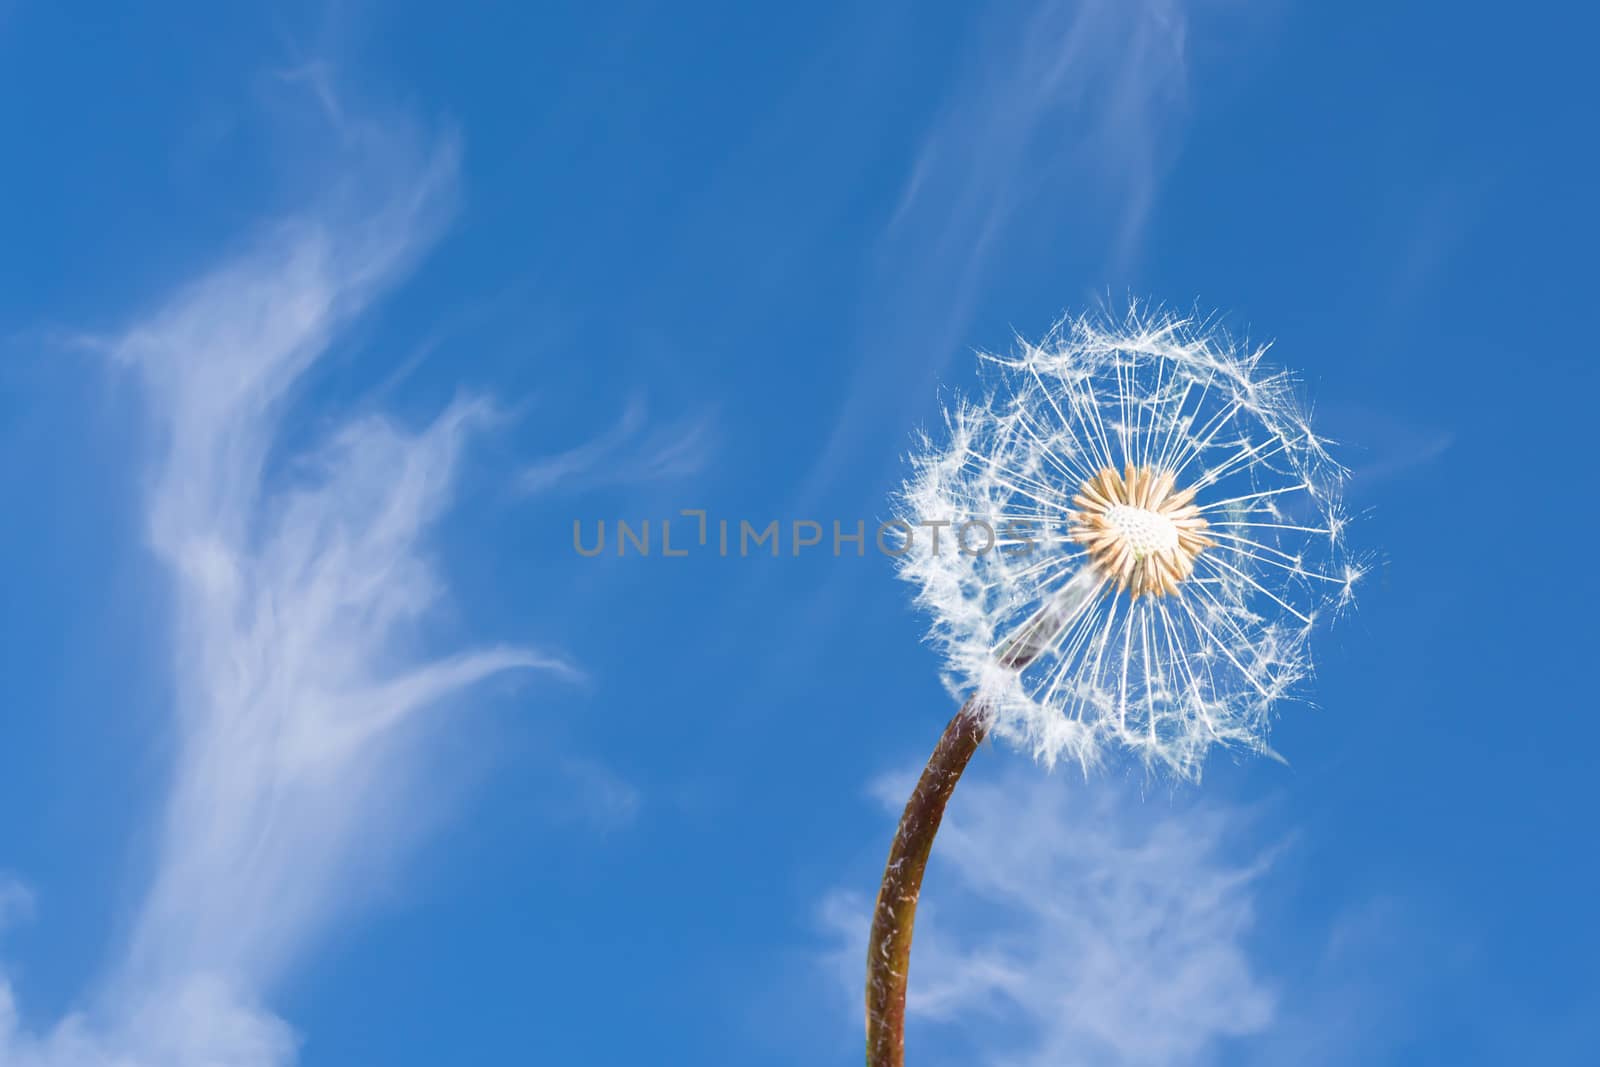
<point>1168,529</point>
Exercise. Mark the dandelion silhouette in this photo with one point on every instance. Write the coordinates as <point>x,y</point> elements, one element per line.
<point>1168,533</point>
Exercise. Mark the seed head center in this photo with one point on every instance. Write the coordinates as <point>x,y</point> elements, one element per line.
<point>1144,531</point>
<point>1138,530</point>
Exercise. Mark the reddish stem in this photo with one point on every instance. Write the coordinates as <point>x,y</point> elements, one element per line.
<point>889,946</point>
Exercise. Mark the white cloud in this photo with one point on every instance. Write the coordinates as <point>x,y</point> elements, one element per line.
<point>198,1023</point>
<point>1078,101</point>
<point>16,901</point>
<point>304,700</point>
<point>1065,922</point>
<point>1382,445</point>
<point>590,794</point>
<point>1061,120</point>
<point>629,452</point>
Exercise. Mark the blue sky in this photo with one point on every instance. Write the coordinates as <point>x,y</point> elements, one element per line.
<point>319,327</point>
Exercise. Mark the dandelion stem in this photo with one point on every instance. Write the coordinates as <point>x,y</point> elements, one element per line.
<point>889,948</point>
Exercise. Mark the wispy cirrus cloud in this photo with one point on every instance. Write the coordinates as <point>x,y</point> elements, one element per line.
<point>1076,102</point>
<point>1062,119</point>
<point>632,451</point>
<point>1075,924</point>
<point>587,793</point>
<point>16,901</point>
<point>1385,446</point>
<point>304,693</point>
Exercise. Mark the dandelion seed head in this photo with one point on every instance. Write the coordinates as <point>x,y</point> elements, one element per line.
<point>1168,533</point>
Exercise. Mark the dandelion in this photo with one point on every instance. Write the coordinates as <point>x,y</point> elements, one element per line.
<point>1168,533</point>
